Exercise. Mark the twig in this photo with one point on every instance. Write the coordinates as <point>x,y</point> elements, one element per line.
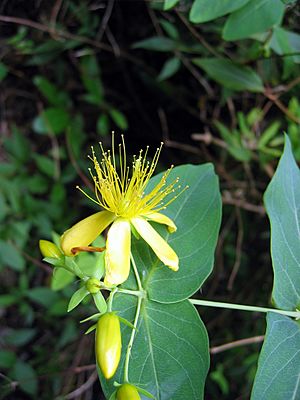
<point>53,18</point>
<point>237,343</point>
<point>282,107</point>
<point>83,388</point>
<point>197,35</point>
<point>238,249</point>
<point>105,19</point>
<point>243,204</point>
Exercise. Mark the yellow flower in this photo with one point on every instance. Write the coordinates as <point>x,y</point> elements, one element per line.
<point>126,205</point>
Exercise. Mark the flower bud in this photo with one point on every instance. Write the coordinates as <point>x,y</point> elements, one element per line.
<point>108,344</point>
<point>93,285</point>
<point>127,392</point>
<point>49,249</point>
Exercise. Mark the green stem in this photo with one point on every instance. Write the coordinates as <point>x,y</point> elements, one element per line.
<point>293,314</point>
<point>129,347</point>
<point>136,273</point>
<point>137,293</point>
<point>110,299</point>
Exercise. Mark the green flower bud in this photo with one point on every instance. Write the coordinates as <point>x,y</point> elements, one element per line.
<point>49,249</point>
<point>93,285</point>
<point>127,392</point>
<point>108,344</point>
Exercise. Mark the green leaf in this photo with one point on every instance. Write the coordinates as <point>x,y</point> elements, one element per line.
<point>26,377</point>
<point>51,120</point>
<point>103,125</point>
<point>10,256</point>
<point>20,337</point>
<point>3,71</point>
<point>77,298</point>
<point>61,278</point>
<point>119,119</point>
<point>278,371</point>
<point>45,164</point>
<point>197,215</point>
<point>100,302</point>
<point>156,43</point>
<point>91,77</point>
<point>53,94</point>
<point>230,74</point>
<point>207,10</point>
<point>7,358</point>
<point>256,16</point>
<point>282,199</point>
<point>169,356</point>
<point>169,69</point>
<point>43,296</point>
<point>233,140</point>
<point>169,4</point>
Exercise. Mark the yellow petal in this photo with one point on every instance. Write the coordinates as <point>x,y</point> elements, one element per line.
<point>162,219</point>
<point>85,231</point>
<point>160,247</point>
<point>117,255</point>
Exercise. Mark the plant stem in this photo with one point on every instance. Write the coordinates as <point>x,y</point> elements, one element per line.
<point>110,299</point>
<point>136,273</point>
<point>137,293</point>
<point>129,347</point>
<point>293,314</point>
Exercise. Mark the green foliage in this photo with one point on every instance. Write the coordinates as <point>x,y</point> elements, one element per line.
<point>278,371</point>
<point>156,363</point>
<point>282,203</point>
<point>226,69</point>
<point>231,75</point>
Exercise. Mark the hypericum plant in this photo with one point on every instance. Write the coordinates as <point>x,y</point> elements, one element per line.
<point>160,349</point>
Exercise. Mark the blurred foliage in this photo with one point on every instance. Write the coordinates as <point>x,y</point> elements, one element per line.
<point>216,80</point>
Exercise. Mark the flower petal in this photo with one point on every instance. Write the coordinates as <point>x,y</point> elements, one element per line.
<point>160,247</point>
<point>85,231</point>
<point>162,219</point>
<point>117,255</point>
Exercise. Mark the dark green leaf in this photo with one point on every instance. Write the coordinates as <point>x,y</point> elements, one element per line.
<point>26,377</point>
<point>43,296</point>
<point>3,71</point>
<point>282,199</point>
<point>45,164</point>
<point>278,371</point>
<point>231,75</point>
<point>103,125</point>
<point>7,300</point>
<point>51,120</point>
<point>255,17</point>
<point>10,256</point>
<point>169,356</point>
<point>53,94</point>
<point>170,68</point>
<point>197,215</point>
<point>207,10</point>
<point>119,119</point>
<point>90,75</point>
<point>19,337</point>
<point>7,358</point>
<point>156,43</point>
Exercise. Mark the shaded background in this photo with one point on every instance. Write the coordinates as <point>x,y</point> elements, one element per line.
<point>72,71</point>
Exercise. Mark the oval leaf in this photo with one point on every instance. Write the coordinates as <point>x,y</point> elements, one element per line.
<point>77,298</point>
<point>231,75</point>
<point>207,10</point>
<point>256,16</point>
<point>197,215</point>
<point>169,356</point>
<point>282,199</point>
<point>278,371</point>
